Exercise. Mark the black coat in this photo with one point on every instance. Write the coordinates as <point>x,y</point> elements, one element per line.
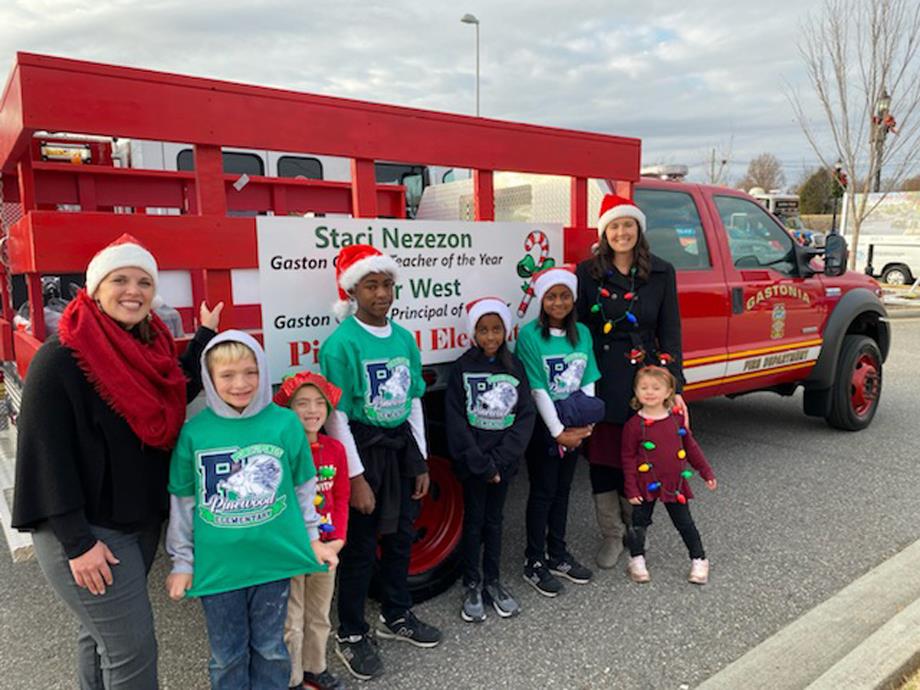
<point>481,452</point>
<point>78,462</point>
<point>657,330</point>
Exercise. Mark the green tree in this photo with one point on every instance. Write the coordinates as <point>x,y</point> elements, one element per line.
<point>816,193</point>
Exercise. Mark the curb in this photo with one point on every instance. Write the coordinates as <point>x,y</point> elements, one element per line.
<point>902,312</point>
<point>866,636</point>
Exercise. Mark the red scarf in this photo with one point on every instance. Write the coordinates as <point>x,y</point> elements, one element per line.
<point>142,383</point>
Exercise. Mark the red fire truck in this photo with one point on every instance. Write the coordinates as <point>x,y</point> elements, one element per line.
<point>759,312</point>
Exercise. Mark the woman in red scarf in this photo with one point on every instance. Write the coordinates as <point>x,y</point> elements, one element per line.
<point>102,406</point>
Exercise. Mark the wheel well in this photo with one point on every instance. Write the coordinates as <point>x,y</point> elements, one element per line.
<point>869,324</point>
<point>896,264</point>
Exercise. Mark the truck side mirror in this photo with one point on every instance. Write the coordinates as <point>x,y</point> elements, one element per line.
<point>835,255</point>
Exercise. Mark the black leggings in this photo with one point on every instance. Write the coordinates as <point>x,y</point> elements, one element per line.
<point>680,517</point>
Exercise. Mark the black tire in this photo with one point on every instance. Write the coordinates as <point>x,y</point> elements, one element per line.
<point>857,385</point>
<point>897,274</point>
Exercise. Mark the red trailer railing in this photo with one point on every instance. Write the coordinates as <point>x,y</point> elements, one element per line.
<point>60,95</point>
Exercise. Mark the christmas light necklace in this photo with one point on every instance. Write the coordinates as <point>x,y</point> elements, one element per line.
<point>646,467</point>
<point>605,293</point>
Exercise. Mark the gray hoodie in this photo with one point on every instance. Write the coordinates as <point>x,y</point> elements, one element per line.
<point>179,534</point>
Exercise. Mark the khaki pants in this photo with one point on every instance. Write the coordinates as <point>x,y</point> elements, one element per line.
<point>307,627</point>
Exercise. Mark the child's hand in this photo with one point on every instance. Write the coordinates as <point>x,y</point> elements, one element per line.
<point>496,479</point>
<point>712,484</point>
<point>210,318</point>
<point>572,438</point>
<point>422,483</point>
<point>362,496</point>
<point>635,500</point>
<point>177,584</point>
<point>679,403</point>
<point>336,545</point>
<point>325,554</point>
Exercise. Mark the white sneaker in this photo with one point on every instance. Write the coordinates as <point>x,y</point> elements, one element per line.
<point>637,570</point>
<point>699,571</point>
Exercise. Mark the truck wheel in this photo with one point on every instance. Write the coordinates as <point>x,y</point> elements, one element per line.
<point>857,384</point>
<point>435,563</point>
<point>899,274</point>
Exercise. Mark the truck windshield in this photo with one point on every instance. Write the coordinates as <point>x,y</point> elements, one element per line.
<point>414,177</point>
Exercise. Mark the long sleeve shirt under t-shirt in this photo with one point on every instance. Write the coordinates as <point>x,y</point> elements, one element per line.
<point>379,369</point>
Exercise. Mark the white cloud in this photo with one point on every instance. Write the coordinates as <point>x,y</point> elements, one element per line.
<point>682,80</point>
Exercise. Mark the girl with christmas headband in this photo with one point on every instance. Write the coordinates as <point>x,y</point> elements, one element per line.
<point>306,629</point>
<point>558,357</point>
<point>93,493</point>
<point>627,297</point>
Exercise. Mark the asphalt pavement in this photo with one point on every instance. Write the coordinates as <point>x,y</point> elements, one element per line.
<point>801,511</point>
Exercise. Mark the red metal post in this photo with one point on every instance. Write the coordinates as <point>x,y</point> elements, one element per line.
<point>483,195</point>
<point>211,195</point>
<point>578,203</point>
<point>363,188</point>
<point>33,280</point>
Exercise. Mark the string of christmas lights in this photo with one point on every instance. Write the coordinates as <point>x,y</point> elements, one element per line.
<point>647,467</point>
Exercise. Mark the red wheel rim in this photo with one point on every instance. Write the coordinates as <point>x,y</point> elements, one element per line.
<point>440,523</point>
<point>864,385</point>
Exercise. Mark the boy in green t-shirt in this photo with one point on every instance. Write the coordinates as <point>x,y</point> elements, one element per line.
<point>242,517</point>
<point>379,420</point>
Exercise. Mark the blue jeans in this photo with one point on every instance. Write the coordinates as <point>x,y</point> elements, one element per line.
<point>246,634</point>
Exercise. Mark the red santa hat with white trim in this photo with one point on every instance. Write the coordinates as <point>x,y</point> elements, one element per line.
<point>558,275</point>
<point>353,263</point>
<point>476,309</point>
<point>613,207</point>
<point>124,252</point>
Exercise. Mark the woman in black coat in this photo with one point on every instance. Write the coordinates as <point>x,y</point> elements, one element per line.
<point>102,404</point>
<point>628,298</point>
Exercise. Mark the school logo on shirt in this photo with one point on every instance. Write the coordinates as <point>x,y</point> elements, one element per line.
<point>239,487</point>
<point>564,373</point>
<point>490,399</point>
<point>388,383</point>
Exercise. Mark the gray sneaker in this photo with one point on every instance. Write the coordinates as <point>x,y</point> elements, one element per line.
<point>503,602</point>
<point>473,610</point>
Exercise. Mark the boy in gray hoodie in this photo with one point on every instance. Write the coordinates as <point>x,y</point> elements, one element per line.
<point>242,518</point>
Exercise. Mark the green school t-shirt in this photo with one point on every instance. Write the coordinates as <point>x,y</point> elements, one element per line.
<point>378,376</point>
<point>553,364</point>
<point>248,526</point>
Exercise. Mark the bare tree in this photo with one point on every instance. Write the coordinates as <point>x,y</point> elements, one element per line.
<point>764,171</point>
<point>854,52</point>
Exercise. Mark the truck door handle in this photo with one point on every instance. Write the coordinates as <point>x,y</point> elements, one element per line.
<point>737,300</point>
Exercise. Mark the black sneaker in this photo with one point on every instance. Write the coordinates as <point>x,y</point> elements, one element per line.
<point>409,629</point>
<point>322,681</point>
<point>502,600</point>
<point>359,654</point>
<point>538,576</point>
<point>570,569</point>
<point>472,610</point>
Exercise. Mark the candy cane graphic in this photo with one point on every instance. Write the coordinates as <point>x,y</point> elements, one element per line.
<point>534,238</point>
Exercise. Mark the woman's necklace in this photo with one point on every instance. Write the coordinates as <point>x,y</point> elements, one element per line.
<point>646,467</point>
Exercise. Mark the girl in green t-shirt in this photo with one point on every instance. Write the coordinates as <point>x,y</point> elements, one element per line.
<point>558,357</point>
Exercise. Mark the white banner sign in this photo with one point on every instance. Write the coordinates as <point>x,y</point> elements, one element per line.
<point>443,266</point>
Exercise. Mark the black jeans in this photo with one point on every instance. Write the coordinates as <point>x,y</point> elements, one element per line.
<point>483,505</point>
<point>358,558</point>
<point>680,517</point>
<point>548,502</point>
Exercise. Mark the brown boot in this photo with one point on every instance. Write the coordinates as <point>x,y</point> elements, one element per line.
<point>607,509</point>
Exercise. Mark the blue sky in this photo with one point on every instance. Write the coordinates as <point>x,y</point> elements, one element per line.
<point>683,77</point>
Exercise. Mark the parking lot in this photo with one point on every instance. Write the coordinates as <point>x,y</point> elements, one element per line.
<point>801,511</point>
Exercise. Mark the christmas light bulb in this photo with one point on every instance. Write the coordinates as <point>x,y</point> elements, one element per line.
<point>644,467</point>
<point>608,327</point>
<point>596,308</point>
<point>605,292</point>
<point>686,474</point>
<point>682,432</point>
<point>631,317</point>
<point>628,295</point>
<point>648,445</point>
<point>681,453</point>
<point>681,499</point>
<point>654,486</point>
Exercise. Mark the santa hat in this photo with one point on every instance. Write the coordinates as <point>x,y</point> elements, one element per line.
<point>476,309</point>
<point>125,252</point>
<point>354,262</point>
<point>559,275</point>
<point>292,384</point>
<point>613,207</point>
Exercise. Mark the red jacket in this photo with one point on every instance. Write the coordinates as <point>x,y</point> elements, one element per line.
<point>332,486</point>
<point>665,465</point>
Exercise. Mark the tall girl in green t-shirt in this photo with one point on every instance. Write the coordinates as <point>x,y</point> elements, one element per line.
<point>558,357</point>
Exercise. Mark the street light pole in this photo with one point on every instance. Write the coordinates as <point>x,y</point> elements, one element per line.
<point>471,19</point>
